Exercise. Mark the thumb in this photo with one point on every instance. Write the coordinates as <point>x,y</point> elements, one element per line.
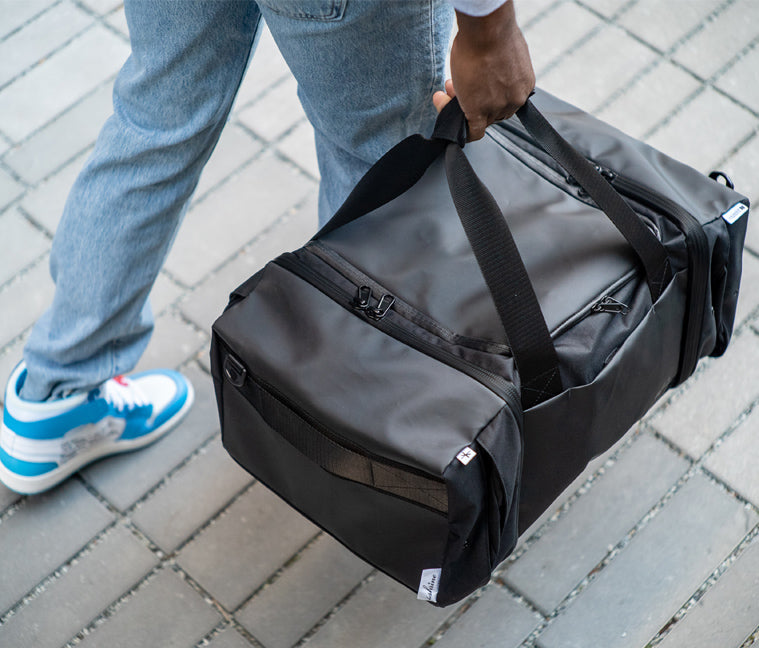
<point>439,100</point>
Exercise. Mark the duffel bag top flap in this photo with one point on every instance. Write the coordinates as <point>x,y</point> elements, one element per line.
<point>369,378</point>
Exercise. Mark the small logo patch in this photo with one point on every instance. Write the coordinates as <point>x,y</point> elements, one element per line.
<point>734,213</point>
<point>466,455</point>
<point>429,585</point>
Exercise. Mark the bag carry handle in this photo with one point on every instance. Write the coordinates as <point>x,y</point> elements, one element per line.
<point>490,237</point>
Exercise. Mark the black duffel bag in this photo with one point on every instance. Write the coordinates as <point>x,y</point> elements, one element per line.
<point>423,391</point>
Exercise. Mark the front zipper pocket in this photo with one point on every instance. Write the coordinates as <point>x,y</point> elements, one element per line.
<point>522,146</point>
<point>376,310</point>
<point>330,451</point>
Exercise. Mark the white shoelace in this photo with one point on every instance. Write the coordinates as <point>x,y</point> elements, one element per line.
<point>123,394</point>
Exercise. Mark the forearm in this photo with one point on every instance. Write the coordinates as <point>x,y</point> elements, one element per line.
<point>491,67</point>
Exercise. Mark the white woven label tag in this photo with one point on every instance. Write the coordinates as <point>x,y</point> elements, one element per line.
<point>734,213</point>
<point>429,585</point>
<point>466,455</point>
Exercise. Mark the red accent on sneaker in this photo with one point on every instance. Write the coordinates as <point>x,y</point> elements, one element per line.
<point>121,380</point>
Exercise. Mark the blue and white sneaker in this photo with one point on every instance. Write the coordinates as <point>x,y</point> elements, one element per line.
<point>41,444</point>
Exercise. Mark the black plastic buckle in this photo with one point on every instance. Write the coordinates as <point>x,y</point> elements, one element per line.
<point>234,371</point>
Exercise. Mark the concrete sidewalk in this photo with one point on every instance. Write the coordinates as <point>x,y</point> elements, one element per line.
<point>174,546</point>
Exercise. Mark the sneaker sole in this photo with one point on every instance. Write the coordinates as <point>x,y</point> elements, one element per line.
<point>34,485</point>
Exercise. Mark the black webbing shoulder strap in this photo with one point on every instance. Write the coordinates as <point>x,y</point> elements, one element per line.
<point>490,237</point>
<point>649,249</point>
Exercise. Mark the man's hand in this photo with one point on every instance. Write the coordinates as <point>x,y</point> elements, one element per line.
<point>491,69</point>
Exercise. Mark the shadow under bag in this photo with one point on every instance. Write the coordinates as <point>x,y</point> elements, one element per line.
<point>428,373</point>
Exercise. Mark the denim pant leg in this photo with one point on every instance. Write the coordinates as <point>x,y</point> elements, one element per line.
<point>171,100</point>
<point>366,72</point>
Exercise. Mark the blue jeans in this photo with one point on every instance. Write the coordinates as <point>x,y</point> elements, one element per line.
<point>366,71</point>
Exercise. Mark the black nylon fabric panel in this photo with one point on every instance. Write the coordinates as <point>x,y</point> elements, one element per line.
<point>343,462</point>
<point>650,251</point>
<point>507,280</point>
<point>562,434</point>
<point>392,534</point>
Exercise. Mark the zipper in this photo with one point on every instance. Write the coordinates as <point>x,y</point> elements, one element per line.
<point>605,303</point>
<point>497,384</point>
<point>354,275</point>
<point>531,155</point>
<point>695,239</point>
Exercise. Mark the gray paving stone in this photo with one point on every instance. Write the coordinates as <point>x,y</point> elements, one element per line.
<point>15,14</point>
<point>9,357</point>
<point>568,551</point>
<point>650,99</point>
<point>190,497</point>
<point>736,459</point>
<point>300,147</point>
<point>610,73</point>
<point>496,620</point>
<point>255,536</point>
<point>721,39</point>
<point>35,98</point>
<point>166,612</point>
<point>728,612</point>
<point>123,479</point>
<point>607,8</point>
<point>230,217</point>
<point>117,20</point>
<point>748,299</point>
<point>7,497</point>
<point>685,139</point>
<point>275,113</point>
<point>20,244</point>
<point>267,68</point>
<point>64,138</point>
<point>663,24</point>
<point>208,300</point>
<point>173,343</point>
<point>529,11</point>
<point>24,300</point>
<point>235,147</point>
<point>45,532</point>
<point>590,470</point>
<point>382,614</point>
<point>229,638</point>
<point>164,293</point>
<point>306,592</point>
<point>5,144</point>
<point>556,31</point>
<point>714,398</point>
<point>102,6</point>
<point>741,80</point>
<point>71,602</point>
<point>656,573</point>
<point>743,168</point>
<point>39,38</point>
<point>10,189</point>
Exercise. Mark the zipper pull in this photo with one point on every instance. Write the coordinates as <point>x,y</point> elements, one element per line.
<point>606,173</point>
<point>362,298</point>
<point>381,309</point>
<point>610,305</point>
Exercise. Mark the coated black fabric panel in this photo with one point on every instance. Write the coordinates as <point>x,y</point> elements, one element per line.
<point>506,277</point>
<point>562,434</point>
<point>366,386</point>
<point>612,148</point>
<point>649,250</point>
<point>356,515</point>
<point>417,248</point>
<point>344,462</point>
